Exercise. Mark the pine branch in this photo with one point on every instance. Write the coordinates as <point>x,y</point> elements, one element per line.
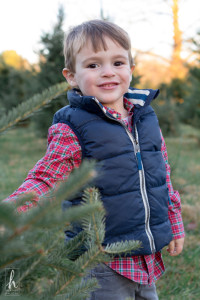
<point>95,229</point>
<point>82,289</point>
<point>89,258</point>
<point>37,215</point>
<point>41,256</point>
<point>7,216</point>
<point>48,269</point>
<point>29,107</point>
<point>64,265</point>
<point>73,249</point>
<point>90,223</point>
<point>122,247</point>
<point>95,225</point>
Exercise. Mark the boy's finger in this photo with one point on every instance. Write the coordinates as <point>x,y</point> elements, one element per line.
<point>179,245</point>
<point>171,247</point>
<point>176,247</point>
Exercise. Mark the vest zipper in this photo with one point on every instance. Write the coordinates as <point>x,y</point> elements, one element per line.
<point>144,193</point>
<point>136,147</point>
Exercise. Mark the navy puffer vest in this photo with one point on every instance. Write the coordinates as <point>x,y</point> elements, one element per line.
<point>132,179</point>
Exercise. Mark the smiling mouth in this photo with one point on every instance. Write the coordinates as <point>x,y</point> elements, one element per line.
<point>108,85</point>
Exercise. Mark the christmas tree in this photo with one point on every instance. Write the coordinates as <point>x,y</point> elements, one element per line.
<point>35,261</point>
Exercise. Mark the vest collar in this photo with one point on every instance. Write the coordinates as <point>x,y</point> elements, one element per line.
<point>139,97</point>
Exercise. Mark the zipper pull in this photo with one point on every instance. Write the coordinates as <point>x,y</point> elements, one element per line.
<point>137,151</point>
<point>139,160</point>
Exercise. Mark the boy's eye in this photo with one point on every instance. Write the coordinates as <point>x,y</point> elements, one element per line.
<point>118,63</point>
<point>92,66</point>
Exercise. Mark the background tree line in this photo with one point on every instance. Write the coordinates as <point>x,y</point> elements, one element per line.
<point>179,99</point>
<point>20,80</point>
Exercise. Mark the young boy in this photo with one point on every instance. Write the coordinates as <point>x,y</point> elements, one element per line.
<point>115,125</point>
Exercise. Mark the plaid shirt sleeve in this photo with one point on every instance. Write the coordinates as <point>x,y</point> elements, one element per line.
<point>174,211</point>
<point>62,156</point>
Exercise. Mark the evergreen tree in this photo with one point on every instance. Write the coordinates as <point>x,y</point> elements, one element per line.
<point>170,101</point>
<point>51,54</point>
<point>31,106</point>
<point>33,242</point>
<point>51,65</point>
<point>15,86</point>
<point>190,109</point>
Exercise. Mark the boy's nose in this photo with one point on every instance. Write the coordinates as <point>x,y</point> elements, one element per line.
<point>107,71</point>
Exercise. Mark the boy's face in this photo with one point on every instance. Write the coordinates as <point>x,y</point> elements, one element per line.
<point>105,74</point>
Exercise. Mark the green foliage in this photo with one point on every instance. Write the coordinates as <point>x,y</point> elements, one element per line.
<point>51,54</point>
<point>34,241</point>
<point>168,118</point>
<point>15,86</point>
<point>190,113</point>
<point>190,110</point>
<point>174,91</point>
<point>180,100</point>
<point>27,108</point>
<point>182,272</point>
<point>135,79</point>
<point>51,65</point>
<point>168,106</point>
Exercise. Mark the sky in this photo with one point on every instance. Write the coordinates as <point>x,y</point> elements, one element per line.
<point>148,22</point>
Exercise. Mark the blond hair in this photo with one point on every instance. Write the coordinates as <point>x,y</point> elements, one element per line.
<point>95,31</point>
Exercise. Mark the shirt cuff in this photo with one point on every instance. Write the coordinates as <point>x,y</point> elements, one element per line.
<point>176,222</point>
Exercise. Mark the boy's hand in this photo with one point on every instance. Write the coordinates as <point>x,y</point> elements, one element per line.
<point>175,247</point>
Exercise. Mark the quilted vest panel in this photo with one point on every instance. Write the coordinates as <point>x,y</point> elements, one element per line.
<point>106,140</point>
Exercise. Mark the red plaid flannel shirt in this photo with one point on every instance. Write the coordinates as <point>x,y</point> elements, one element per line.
<point>62,156</point>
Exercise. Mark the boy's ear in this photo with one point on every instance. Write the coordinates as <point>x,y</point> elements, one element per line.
<point>69,76</point>
<point>132,69</point>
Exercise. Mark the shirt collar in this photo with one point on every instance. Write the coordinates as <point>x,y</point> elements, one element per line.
<point>128,105</point>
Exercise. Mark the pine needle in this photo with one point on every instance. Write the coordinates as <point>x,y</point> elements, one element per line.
<point>29,107</point>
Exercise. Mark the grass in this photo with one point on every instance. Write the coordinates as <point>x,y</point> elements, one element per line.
<point>181,279</point>
<point>21,149</point>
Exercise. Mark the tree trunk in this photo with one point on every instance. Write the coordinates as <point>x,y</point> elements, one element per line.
<point>177,68</point>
